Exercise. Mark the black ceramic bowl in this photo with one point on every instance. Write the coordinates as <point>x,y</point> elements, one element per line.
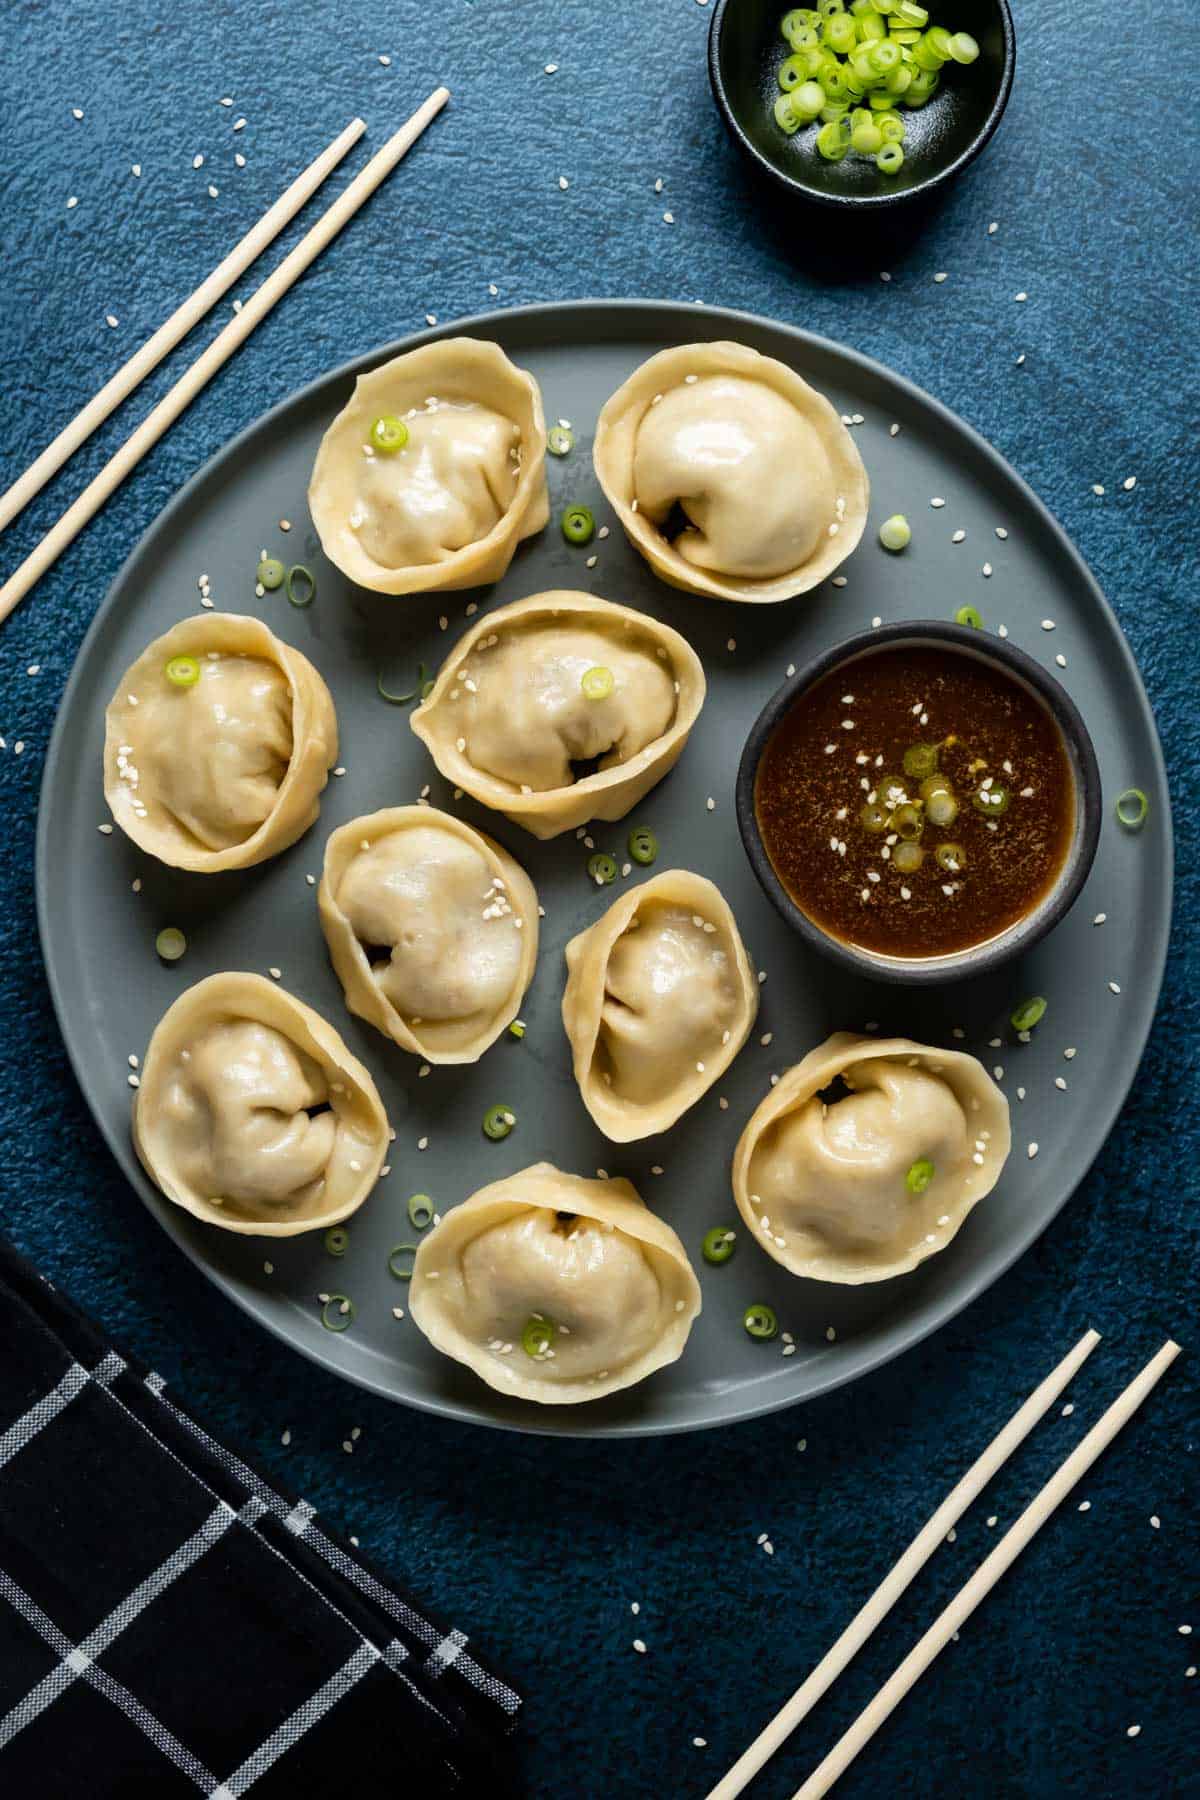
<point>1055,903</point>
<point>745,49</point>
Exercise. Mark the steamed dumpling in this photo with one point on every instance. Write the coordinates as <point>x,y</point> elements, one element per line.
<point>730,474</point>
<point>448,509</point>
<point>660,998</point>
<point>555,1288</point>
<point>253,1115</point>
<point>510,718</point>
<point>866,1184</point>
<point>226,771</point>
<point>432,928</point>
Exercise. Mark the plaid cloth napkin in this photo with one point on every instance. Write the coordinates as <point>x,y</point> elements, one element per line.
<point>170,1625</point>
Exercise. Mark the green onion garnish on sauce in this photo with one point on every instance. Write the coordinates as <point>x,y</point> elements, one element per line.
<point>270,573</point>
<point>907,857</point>
<point>921,761</point>
<point>992,801</point>
<point>420,1211</point>
<point>336,1240</point>
<point>717,1245</point>
<point>388,434</point>
<point>919,1176</point>
<point>1132,807</point>
<point>578,525</point>
<point>170,943</point>
<point>183,671</point>
<point>760,1321</point>
<point>1029,1013</point>
<point>951,858</point>
<point>498,1121</point>
<point>597,683</point>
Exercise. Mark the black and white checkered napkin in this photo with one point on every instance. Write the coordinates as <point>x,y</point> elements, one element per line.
<point>170,1625</point>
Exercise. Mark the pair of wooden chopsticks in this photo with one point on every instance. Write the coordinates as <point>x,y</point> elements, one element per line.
<point>218,352</point>
<point>917,1555</point>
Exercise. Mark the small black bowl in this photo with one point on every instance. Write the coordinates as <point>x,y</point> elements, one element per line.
<point>745,49</point>
<point>977,959</point>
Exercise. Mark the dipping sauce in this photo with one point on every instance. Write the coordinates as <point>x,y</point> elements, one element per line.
<point>916,801</point>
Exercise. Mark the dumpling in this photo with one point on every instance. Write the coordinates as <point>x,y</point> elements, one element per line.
<point>555,1288</point>
<point>731,475</point>
<point>866,1181</point>
<point>562,708</point>
<point>217,744</point>
<point>660,998</point>
<point>432,928</point>
<point>448,506</point>
<point>253,1115</point>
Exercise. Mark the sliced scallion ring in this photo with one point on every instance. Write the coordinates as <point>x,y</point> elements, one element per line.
<point>1030,1013</point>
<point>401,699</point>
<point>1132,807</point>
<point>401,1270</point>
<point>183,671</point>
<point>388,434</point>
<point>301,585</point>
<point>717,1245</point>
<point>907,858</point>
<point>537,1336</point>
<point>578,525</point>
<point>602,868</point>
<point>517,1029</point>
<point>597,683</point>
<point>271,573</point>
<point>991,801</point>
<point>643,845</point>
<point>336,1240</point>
<point>760,1321</point>
<point>170,943</point>
<point>559,440</point>
<point>941,808</point>
<point>498,1121</point>
<point>921,761</point>
<point>951,858</point>
<point>420,1211</point>
<point>337,1313</point>
<point>968,615</point>
<point>919,1175</point>
<point>895,534</point>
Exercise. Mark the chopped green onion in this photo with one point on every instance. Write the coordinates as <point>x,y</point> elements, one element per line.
<point>170,944</point>
<point>578,525</point>
<point>873,817</point>
<point>889,162</point>
<point>336,1240</point>
<point>963,47</point>
<point>643,845</point>
<point>760,1321</point>
<point>892,791</point>
<point>969,615</point>
<point>919,1176</point>
<point>270,573</point>
<point>388,434</point>
<point>807,101</point>
<point>908,821</point>
<point>907,12</point>
<point>939,41</point>
<point>941,808</point>
<point>420,1211</point>
<point>340,1319</point>
<point>933,784</point>
<point>832,141</point>
<point>498,1121</point>
<point>597,683</point>
<point>950,857</point>
<point>891,126</point>
<point>718,1244</point>
<point>992,801</point>
<point>1132,807</point>
<point>791,72</point>
<point>396,1267</point>
<point>602,868</point>
<point>402,699</point>
<point>301,586</point>
<point>560,439</point>
<point>797,25</point>
<point>537,1337</point>
<point>1030,1013</point>
<point>921,761</point>
<point>895,533</point>
<point>907,857</point>
<point>786,116</point>
<point>840,33</point>
<point>866,138</point>
<point>517,1029</point>
<point>183,671</point>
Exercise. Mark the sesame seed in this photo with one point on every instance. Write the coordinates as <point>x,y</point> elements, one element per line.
<point>711,804</point>
<point>1021,296</point>
<point>876,622</point>
<point>1099,918</point>
<point>1085,1506</point>
<point>72,202</point>
<point>385,62</point>
<point>1047,624</point>
<point>1155,1521</point>
<point>639,1646</point>
<point>940,276</point>
<point>1114,987</point>
<point>1061,660</point>
<point>1133,1731</point>
<point>1129,483</point>
<point>551,69</point>
<point>700,1743</point>
<point>1032,1151</point>
<point>958,537</point>
<point>668,218</point>
<point>937,502</point>
<point>1021,359</point>
<point>986,570</point>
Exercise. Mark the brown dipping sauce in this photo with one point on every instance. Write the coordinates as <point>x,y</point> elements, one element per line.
<point>834,834</point>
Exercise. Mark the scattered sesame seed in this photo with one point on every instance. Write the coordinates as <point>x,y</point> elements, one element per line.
<point>385,62</point>
<point>993,228</point>
<point>1021,296</point>
<point>135,169</point>
<point>986,570</point>
<point>551,69</point>
<point>1129,483</point>
<point>112,321</point>
<point>639,1646</point>
<point>876,622</point>
<point>1021,359</point>
<point>1132,1730</point>
<point>668,218</point>
<point>940,276</point>
<point>1099,918</point>
<point>1114,987</point>
<point>73,201</point>
<point>1032,1151</point>
<point>937,501</point>
<point>1155,1521</point>
<point>700,1743</point>
<point>958,537</point>
<point>830,1334</point>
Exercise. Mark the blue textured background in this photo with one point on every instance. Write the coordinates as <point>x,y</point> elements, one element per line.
<point>539,1547</point>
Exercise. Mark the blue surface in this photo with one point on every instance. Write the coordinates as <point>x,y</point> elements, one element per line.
<point>539,1548</point>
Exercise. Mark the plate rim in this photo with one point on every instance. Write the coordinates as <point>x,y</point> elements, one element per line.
<point>899,1339</point>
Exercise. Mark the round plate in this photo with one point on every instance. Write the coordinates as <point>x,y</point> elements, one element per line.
<point>110,989</point>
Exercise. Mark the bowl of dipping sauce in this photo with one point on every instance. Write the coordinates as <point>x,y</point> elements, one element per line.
<point>957,56</point>
<point>921,802</point>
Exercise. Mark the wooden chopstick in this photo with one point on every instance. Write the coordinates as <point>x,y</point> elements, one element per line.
<point>930,1538</point>
<point>177,326</point>
<point>987,1575</point>
<point>218,352</point>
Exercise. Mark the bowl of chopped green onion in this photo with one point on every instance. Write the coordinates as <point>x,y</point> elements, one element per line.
<point>861,103</point>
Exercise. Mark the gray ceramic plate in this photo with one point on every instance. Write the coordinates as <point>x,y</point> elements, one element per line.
<point>110,989</point>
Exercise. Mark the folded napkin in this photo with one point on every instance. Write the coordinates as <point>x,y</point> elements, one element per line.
<point>171,1625</point>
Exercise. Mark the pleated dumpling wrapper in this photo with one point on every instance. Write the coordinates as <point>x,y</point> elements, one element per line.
<point>766,480</point>
<point>253,1115</point>
<point>660,998</point>
<point>434,471</point>
<point>555,1288</point>
<point>217,745</point>
<point>432,928</point>
<point>554,681</point>
<point>867,1185</point>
